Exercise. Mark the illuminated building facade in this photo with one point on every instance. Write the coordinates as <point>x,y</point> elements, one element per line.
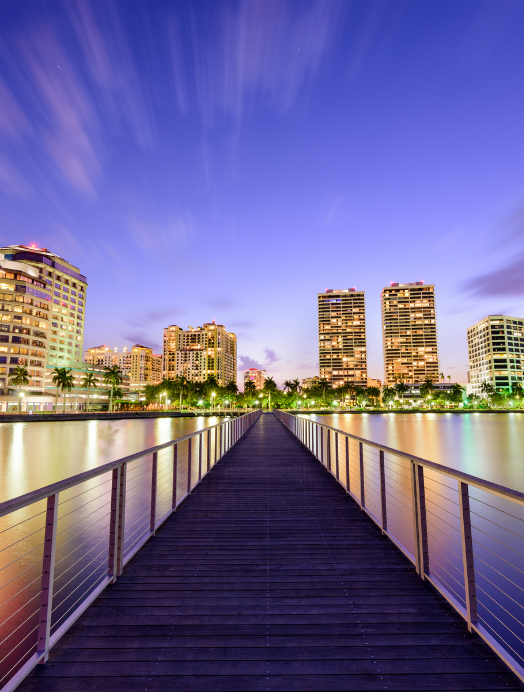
<point>258,377</point>
<point>58,284</point>
<point>199,353</point>
<point>496,352</point>
<point>137,362</point>
<point>409,332</point>
<point>342,337</point>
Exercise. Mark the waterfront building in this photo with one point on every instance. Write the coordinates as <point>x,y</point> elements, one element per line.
<point>43,277</point>
<point>156,368</point>
<point>342,337</point>
<point>258,377</point>
<point>309,382</point>
<point>374,383</point>
<point>136,363</point>
<point>201,352</point>
<point>496,352</point>
<point>409,332</point>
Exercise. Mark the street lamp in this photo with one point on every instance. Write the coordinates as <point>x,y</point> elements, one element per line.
<point>213,394</point>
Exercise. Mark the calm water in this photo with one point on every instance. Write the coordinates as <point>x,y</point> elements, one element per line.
<point>33,455</point>
<point>487,445</point>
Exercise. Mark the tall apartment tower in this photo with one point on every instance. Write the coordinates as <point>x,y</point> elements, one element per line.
<point>46,278</point>
<point>342,337</point>
<point>495,345</point>
<point>409,332</point>
<point>138,363</point>
<point>258,377</point>
<point>198,353</point>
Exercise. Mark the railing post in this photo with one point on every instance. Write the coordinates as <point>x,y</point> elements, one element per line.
<point>362,493</point>
<point>322,446</point>
<point>336,456</point>
<point>208,455</point>
<point>114,519</point>
<point>347,465</point>
<point>467,555</point>
<point>216,445</point>
<point>328,445</point>
<point>189,446</point>
<point>316,442</point>
<point>419,519</point>
<point>152,515</point>
<point>175,471</point>
<point>200,457</point>
<point>383,492</point>
<point>48,576</point>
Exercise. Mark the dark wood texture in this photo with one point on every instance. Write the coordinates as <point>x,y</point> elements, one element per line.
<point>270,577</point>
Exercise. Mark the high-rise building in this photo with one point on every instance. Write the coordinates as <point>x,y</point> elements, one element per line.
<point>198,353</point>
<point>496,352</point>
<point>409,332</point>
<point>138,362</point>
<point>258,377</point>
<point>342,337</point>
<point>49,278</point>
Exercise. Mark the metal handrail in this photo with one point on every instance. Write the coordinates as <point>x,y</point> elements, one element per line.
<point>185,467</point>
<point>325,440</point>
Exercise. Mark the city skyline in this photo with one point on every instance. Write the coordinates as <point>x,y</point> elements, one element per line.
<point>221,156</point>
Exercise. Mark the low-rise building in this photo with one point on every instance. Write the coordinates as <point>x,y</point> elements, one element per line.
<point>309,382</point>
<point>374,383</point>
<point>258,377</point>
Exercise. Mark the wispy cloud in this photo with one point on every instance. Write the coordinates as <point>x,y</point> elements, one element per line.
<point>167,235</point>
<point>261,49</point>
<point>505,282</point>
<point>154,316</point>
<point>246,362</point>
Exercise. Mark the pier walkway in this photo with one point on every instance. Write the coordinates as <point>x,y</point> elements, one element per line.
<point>270,577</point>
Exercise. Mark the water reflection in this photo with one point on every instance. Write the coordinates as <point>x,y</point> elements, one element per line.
<point>488,445</point>
<point>33,455</point>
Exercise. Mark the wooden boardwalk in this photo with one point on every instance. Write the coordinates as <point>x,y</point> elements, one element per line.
<point>269,577</point>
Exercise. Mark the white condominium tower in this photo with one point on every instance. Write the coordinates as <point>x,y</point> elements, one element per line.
<point>342,337</point>
<point>409,326</point>
<point>496,352</point>
<point>201,352</point>
<point>43,310</point>
<point>139,363</point>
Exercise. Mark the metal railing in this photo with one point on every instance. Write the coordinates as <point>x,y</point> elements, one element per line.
<point>63,544</point>
<point>464,535</point>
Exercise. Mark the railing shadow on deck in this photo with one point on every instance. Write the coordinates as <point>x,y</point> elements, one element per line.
<point>63,544</point>
<point>463,534</point>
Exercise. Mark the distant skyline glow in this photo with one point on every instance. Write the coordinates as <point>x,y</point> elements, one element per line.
<point>229,160</point>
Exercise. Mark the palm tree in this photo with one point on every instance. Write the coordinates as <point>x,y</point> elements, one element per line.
<point>296,388</point>
<point>324,386</point>
<point>449,378</point>
<point>232,390</point>
<point>269,386</point>
<point>457,393</point>
<point>88,382</point>
<point>62,379</point>
<point>250,388</point>
<point>517,391</point>
<point>401,388</point>
<point>114,377</point>
<point>288,384</point>
<point>488,389</point>
<point>388,394</point>
<point>19,378</point>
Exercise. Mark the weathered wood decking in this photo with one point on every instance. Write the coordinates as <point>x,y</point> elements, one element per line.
<point>269,577</point>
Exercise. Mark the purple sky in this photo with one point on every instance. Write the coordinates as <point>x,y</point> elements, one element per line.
<point>229,160</point>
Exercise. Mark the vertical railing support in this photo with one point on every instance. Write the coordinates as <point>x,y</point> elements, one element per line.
<point>114,519</point>
<point>336,456</point>
<point>208,455</point>
<point>48,576</point>
<point>200,457</point>
<point>322,446</point>
<point>189,448</point>
<point>328,450</point>
<point>420,522</point>
<point>348,484</point>
<point>175,473</point>
<point>154,473</point>
<point>467,555</point>
<point>362,488</point>
<point>383,492</point>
